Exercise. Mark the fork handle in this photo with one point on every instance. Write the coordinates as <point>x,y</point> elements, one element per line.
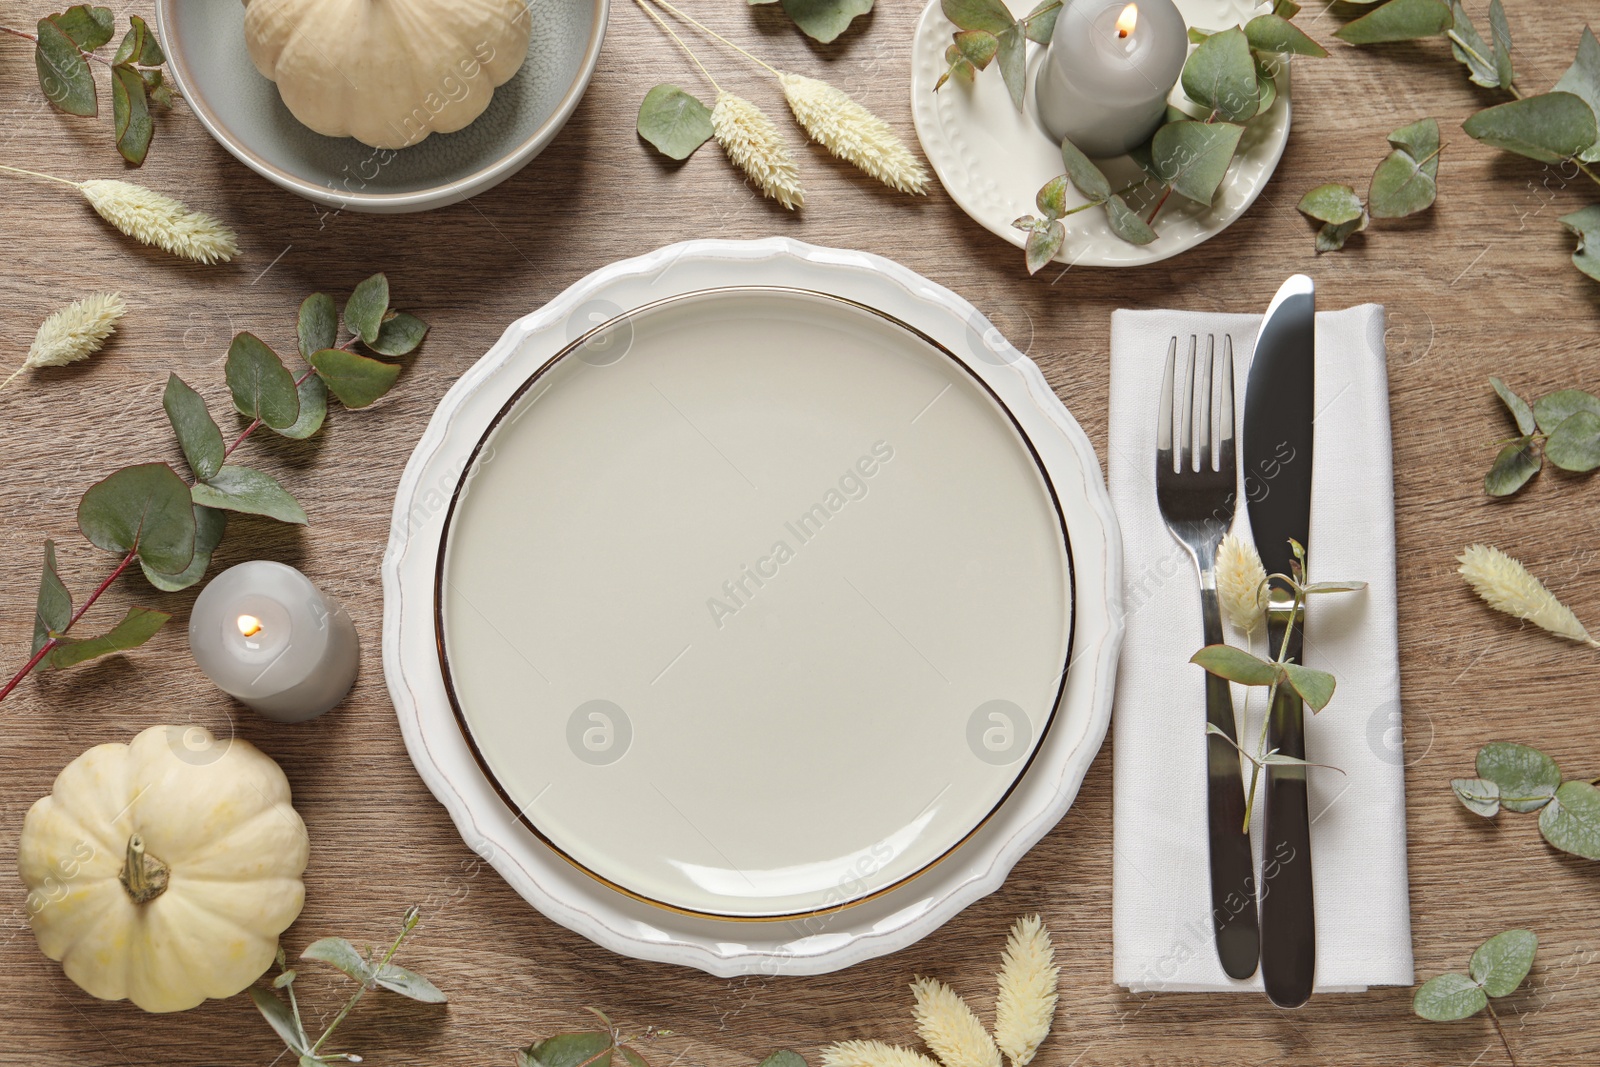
<point>1233,891</point>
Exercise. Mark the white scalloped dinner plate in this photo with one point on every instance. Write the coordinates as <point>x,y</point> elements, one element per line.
<point>718,563</point>
<point>992,160</point>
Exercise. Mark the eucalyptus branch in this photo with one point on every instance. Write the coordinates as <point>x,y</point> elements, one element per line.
<point>35,39</point>
<point>172,525</point>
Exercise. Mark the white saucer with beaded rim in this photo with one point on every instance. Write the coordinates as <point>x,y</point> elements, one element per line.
<point>992,160</point>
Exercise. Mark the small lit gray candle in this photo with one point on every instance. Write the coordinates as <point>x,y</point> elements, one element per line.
<point>1104,81</point>
<point>264,634</point>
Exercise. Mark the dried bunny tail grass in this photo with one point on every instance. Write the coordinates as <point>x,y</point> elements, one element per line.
<point>1027,1002</point>
<point>950,1028</point>
<point>872,1054</point>
<point>755,146</point>
<point>1241,583</point>
<point>75,332</point>
<point>1505,585</point>
<point>854,134</point>
<point>153,219</point>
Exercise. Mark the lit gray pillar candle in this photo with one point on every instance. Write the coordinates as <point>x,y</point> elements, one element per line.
<point>264,634</point>
<point>1104,81</point>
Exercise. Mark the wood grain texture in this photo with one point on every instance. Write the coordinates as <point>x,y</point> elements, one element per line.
<point>1478,286</point>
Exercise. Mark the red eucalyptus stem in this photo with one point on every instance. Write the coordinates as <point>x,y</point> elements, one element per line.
<point>45,649</point>
<point>86,55</point>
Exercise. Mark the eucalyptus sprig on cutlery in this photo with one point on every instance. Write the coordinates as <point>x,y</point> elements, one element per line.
<point>1236,665</point>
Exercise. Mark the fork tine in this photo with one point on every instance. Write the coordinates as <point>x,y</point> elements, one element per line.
<point>1164,417</point>
<point>1204,435</point>
<point>1186,459</point>
<point>1225,402</point>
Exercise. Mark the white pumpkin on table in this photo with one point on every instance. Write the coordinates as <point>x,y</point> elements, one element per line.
<point>387,72</point>
<point>162,871</point>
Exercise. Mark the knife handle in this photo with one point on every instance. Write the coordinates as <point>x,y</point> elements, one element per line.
<point>1288,917</point>
<point>1233,887</point>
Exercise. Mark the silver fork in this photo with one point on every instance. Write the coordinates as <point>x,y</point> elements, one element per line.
<point>1197,489</point>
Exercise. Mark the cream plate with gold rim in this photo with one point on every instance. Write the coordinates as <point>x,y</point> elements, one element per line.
<point>754,603</point>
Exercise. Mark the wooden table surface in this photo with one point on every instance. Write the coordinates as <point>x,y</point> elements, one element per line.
<point>1478,286</point>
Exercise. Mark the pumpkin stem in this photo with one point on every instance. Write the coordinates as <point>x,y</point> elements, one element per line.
<point>144,877</point>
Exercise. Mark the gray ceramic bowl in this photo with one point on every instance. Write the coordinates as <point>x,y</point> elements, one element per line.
<point>209,61</point>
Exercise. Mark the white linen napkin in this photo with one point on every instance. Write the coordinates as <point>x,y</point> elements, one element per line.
<point>1161,900</point>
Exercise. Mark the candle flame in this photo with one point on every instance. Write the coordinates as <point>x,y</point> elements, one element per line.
<point>1127,20</point>
<point>249,625</point>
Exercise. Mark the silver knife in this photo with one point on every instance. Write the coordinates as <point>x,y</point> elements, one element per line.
<point>1279,407</point>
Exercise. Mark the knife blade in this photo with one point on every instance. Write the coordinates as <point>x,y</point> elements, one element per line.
<point>1280,406</point>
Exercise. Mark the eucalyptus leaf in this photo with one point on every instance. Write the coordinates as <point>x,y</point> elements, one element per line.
<point>960,68</point>
<point>1512,468</point>
<point>1316,588</point>
<point>1333,235</point>
<point>631,1055</point>
<point>1479,795</point>
<point>251,492</point>
<point>1574,445</point>
<point>363,312</point>
<point>1266,82</point>
<point>209,524</point>
<point>1126,223</point>
<point>144,508</point>
<point>137,627</point>
<point>1402,185</point>
<point>139,45</point>
<point>783,1058</point>
<point>356,380</point>
<point>1084,175</point>
<point>1236,665</point>
<point>52,611</point>
<point>824,20</point>
<point>1043,244</point>
<point>978,47</point>
<point>1013,62</point>
<point>570,1050</point>
<point>1551,411</point>
<point>318,324</point>
<point>1220,76</point>
<point>1470,50</point>
<point>1516,405</point>
<point>88,27</point>
<point>1500,31</point>
<point>1051,199</point>
<point>1315,687</point>
<point>196,430</point>
<point>1449,997</point>
<point>1333,202</point>
<point>130,110</point>
<point>1420,139</point>
<point>399,335</point>
<point>277,1013</point>
<point>408,984</point>
<point>1585,222</point>
<point>1040,23</point>
<point>1501,963</point>
<point>1527,778</point>
<point>1274,33</point>
<point>1582,79</point>
<point>341,954</point>
<point>1571,822</point>
<point>64,74</point>
<point>1287,9</point>
<point>1193,157</point>
<point>991,16</point>
<point>1398,20</point>
<point>673,121</point>
<point>1550,128</point>
<point>262,386</point>
<point>313,394</point>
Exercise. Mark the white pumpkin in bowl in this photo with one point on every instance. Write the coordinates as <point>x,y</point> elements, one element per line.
<point>387,72</point>
<point>162,871</point>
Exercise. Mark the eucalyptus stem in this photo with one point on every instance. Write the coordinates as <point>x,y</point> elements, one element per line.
<point>1495,1018</point>
<point>355,998</point>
